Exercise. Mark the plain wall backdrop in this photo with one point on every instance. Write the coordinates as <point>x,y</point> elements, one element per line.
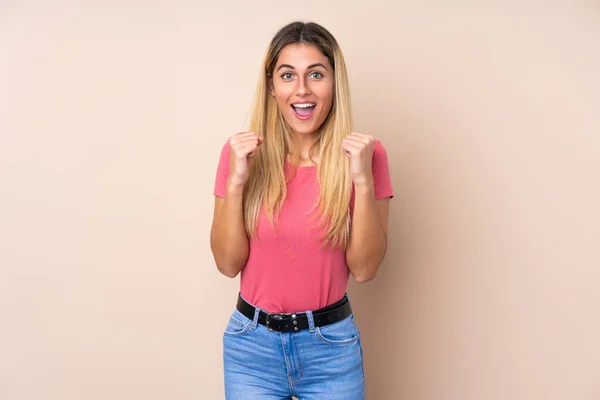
<point>112,116</point>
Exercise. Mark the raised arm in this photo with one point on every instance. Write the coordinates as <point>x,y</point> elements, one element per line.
<point>228,239</point>
<point>372,192</point>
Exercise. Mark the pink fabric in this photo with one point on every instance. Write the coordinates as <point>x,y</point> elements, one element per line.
<point>287,271</point>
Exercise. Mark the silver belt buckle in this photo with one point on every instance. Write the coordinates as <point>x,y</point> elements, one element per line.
<point>272,316</point>
<point>280,317</point>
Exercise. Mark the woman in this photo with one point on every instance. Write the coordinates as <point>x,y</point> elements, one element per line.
<point>301,202</point>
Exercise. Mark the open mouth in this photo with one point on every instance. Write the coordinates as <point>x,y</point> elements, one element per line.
<point>304,110</point>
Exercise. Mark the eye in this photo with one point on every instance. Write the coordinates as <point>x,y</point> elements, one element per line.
<point>316,75</point>
<point>287,76</point>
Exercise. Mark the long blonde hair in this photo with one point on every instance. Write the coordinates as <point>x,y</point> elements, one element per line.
<point>266,185</point>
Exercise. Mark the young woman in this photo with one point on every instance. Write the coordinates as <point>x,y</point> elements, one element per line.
<point>301,202</point>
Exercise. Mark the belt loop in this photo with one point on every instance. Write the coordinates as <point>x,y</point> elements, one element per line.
<point>348,297</point>
<point>350,304</point>
<point>256,314</point>
<point>311,321</point>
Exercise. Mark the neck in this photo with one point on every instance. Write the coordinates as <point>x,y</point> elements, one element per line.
<point>303,145</point>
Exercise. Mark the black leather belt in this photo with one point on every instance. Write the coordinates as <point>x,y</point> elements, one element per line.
<point>294,322</point>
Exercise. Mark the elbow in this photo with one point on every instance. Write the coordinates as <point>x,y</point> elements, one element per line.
<point>364,269</point>
<point>228,266</point>
<point>362,278</point>
<point>364,273</point>
<point>228,272</point>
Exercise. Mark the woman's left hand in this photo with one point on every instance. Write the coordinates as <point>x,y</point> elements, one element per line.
<point>359,148</point>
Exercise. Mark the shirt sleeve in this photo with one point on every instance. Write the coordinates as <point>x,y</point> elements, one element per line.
<point>222,172</point>
<point>381,172</point>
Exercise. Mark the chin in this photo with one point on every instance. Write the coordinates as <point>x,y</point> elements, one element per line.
<point>304,131</point>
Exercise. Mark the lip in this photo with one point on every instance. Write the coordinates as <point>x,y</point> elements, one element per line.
<point>303,117</point>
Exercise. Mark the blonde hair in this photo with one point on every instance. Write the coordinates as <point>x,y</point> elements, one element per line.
<point>266,185</point>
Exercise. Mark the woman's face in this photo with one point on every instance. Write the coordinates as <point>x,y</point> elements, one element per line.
<point>303,86</point>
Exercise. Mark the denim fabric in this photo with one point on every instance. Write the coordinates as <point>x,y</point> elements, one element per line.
<point>317,363</point>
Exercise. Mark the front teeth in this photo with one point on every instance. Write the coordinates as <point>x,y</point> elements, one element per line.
<point>307,105</point>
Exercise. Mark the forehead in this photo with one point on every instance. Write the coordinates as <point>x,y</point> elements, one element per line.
<point>301,55</point>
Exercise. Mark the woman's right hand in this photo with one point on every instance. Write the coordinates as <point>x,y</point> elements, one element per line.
<point>242,147</point>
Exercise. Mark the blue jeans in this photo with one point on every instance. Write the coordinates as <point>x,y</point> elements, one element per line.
<point>317,363</point>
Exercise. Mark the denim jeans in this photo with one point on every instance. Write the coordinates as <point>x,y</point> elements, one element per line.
<point>316,363</point>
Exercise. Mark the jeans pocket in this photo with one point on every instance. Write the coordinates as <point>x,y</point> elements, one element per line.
<point>238,324</point>
<point>339,333</point>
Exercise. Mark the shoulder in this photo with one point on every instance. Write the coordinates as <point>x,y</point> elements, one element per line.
<point>225,149</point>
<point>381,172</point>
<point>380,162</point>
<point>226,145</point>
<point>378,146</point>
<point>379,151</point>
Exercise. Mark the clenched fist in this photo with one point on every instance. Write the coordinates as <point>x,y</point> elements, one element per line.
<point>242,147</point>
<point>359,148</point>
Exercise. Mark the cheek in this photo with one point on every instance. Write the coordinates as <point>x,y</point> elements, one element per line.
<point>327,101</point>
<point>282,104</point>
<point>326,96</point>
<point>281,97</point>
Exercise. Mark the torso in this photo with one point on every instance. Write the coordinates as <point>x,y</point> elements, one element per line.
<point>287,270</point>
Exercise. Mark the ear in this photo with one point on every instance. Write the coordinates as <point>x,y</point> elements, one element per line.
<point>271,87</point>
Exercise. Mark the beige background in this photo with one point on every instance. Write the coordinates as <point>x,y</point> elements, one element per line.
<point>112,115</point>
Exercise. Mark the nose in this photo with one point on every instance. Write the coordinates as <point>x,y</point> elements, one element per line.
<point>303,88</point>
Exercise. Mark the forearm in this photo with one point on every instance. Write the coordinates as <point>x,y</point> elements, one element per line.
<point>229,242</point>
<point>368,242</point>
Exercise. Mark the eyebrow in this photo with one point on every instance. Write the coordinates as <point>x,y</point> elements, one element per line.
<point>309,67</point>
